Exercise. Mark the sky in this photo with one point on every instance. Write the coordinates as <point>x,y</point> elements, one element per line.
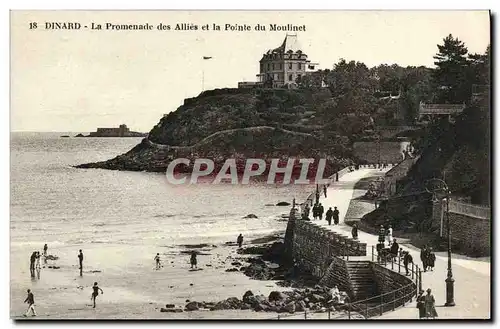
<point>78,80</point>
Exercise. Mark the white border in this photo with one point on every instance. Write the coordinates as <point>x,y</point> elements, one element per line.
<point>186,4</point>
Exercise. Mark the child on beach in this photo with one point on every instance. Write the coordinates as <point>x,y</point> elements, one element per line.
<point>157,259</point>
<point>95,293</point>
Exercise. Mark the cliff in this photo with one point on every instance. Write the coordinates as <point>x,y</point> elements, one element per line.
<point>246,123</point>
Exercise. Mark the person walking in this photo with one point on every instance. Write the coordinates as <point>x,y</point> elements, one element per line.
<point>430,305</point>
<point>335,216</point>
<point>307,210</point>
<point>194,261</point>
<point>95,292</point>
<point>354,231</point>
<point>321,210</point>
<point>45,247</point>
<point>421,304</point>
<point>394,249</point>
<point>389,235</point>
<point>80,261</point>
<point>407,259</point>
<point>381,235</point>
<point>239,240</point>
<point>324,190</point>
<point>315,211</point>
<point>31,303</point>
<point>423,257</point>
<point>431,259</point>
<point>329,215</point>
<point>157,260</point>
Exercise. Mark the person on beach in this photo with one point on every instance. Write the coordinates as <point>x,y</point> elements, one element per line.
<point>95,292</point>
<point>32,264</point>
<point>31,303</point>
<point>423,257</point>
<point>354,231</point>
<point>194,261</point>
<point>421,304</point>
<point>37,260</point>
<point>324,189</point>
<point>321,210</point>
<point>430,305</point>
<point>335,216</point>
<point>407,259</point>
<point>329,216</point>
<point>80,261</point>
<point>45,250</point>
<point>239,240</point>
<point>389,235</point>
<point>431,259</point>
<point>157,260</point>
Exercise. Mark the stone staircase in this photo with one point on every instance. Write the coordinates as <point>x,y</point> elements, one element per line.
<point>362,280</point>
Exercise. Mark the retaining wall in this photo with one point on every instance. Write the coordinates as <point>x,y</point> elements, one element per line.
<point>473,234</point>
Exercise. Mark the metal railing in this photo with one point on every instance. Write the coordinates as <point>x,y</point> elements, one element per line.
<point>389,301</point>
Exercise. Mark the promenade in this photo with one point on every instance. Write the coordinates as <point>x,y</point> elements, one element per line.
<point>472,276</point>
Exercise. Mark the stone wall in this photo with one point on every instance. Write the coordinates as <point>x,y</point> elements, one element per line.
<point>337,275</point>
<point>390,152</point>
<point>388,280</point>
<point>398,172</point>
<point>472,234</point>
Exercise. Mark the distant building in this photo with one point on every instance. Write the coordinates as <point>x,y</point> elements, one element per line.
<point>121,131</point>
<point>282,66</point>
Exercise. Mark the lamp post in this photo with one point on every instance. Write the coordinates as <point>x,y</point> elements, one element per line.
<point>450,282</point>
<point>317,193</point>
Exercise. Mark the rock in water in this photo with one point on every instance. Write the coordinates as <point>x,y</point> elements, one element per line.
<point>251,216</point>
<point>283,203</point>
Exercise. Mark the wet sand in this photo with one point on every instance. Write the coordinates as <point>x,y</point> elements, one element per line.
<point>133,289</point>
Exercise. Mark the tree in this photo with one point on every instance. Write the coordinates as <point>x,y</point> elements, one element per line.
<point>450,75</point>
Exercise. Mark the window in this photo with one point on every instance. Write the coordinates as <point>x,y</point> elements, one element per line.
<point>268,66</point>
<point>300,66</point>
<point>299,76</point>
<point>279,66</point>
<point>273,66</point>
<point>290,66</point>
<point>290,77</point>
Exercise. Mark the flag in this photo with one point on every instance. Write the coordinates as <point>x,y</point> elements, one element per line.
<point>207,57</point>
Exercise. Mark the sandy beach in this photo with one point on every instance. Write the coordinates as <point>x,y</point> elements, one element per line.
<point>133,289</point>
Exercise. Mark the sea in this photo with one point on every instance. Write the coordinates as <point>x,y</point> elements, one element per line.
<point>53,202</point>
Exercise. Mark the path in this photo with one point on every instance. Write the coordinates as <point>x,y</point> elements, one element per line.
<point>472,276</point>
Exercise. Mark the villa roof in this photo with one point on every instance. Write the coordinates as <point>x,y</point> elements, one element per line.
<point>289,44</point>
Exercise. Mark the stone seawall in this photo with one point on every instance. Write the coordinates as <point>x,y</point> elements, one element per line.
<point>388,280</point>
